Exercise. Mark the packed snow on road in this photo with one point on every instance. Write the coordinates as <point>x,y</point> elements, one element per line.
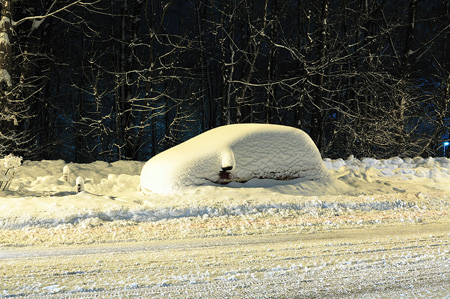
<point>356,228</point>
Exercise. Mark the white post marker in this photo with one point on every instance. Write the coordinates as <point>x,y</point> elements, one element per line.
<point>80,184</point>
<point>66,174</point>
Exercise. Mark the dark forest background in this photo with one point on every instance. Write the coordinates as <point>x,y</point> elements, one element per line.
<point>110,80</point>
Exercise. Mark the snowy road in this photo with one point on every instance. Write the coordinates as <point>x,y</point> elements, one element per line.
<point>394,260</point>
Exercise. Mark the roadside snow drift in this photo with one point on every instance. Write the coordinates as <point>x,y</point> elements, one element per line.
<point>237,152</point>
<point>44,194</point>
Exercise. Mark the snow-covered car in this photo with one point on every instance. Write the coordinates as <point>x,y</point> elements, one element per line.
<point>238,152</point>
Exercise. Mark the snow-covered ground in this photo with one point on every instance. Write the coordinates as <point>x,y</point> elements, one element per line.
<point>371,227</point>
<point>40,196</point>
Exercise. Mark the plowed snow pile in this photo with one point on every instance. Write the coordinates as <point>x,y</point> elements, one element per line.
<point>41,197</point>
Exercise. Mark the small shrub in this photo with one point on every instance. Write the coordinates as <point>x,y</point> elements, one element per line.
<point>8,170</point>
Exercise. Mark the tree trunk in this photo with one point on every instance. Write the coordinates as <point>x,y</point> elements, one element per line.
<point>6,84</point>
<point>271,66</point>
<point>407,61</point>
<point>317,117</point>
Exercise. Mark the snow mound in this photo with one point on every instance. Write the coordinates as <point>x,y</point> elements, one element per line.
<point>43,196</point>
<point>237,152</point>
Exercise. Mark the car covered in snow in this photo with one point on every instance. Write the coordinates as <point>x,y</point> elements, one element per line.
<point>238,152</point>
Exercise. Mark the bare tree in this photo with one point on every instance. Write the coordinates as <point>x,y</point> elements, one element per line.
<point>110,80</point>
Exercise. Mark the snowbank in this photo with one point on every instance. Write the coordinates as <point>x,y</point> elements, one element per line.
<point>43,196</point>
<point>237,152</point>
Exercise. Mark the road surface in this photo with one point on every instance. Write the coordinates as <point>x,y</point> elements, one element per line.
<point>410,260</point>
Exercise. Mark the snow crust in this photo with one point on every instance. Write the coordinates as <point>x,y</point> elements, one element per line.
<point>249,150</point>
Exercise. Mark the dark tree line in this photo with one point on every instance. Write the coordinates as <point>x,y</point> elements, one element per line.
<point>108,80</point>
